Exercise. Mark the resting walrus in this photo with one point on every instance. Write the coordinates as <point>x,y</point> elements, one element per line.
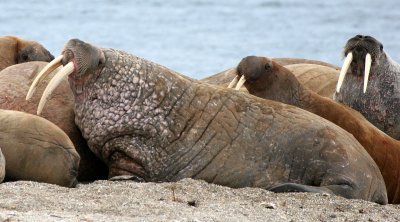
<point>318,76</point>
<point>267,79</point>
<point>152,124</point>
<point>372,83</point>
<point>14,83</point>
<point>14,50</point>
<point>36,149</point>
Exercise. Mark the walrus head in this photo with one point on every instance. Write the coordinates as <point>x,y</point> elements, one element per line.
<point>263,77</point>
<point>80,60</point>
<point>361,52</point>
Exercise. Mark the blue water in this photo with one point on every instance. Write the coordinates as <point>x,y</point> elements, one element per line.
<point>199,38</point>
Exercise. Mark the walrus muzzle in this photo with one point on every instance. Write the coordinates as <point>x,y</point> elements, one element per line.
<point>54,82</point>
<point>346,65</point>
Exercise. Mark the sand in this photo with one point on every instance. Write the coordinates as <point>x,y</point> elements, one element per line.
<point>185,200</point>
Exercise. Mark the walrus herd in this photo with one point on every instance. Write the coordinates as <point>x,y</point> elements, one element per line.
<point>126,118</point>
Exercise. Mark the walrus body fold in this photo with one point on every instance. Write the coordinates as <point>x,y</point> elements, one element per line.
<point>35,149</point>
<point>150,123</point>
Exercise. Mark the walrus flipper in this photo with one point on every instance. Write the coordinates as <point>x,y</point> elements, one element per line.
<point>295,187</point>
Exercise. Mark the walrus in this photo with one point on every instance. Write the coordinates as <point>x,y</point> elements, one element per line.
<point>267,79</point>
<point>318,76</point>
<point>35,149</point>
<point>15,50</point>
<point>149,123</point>
<point>14,83</point>
<point>369,83</point>
<point>2,166</point>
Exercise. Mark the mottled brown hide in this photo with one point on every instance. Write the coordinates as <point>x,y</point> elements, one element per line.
<point>153,124</point>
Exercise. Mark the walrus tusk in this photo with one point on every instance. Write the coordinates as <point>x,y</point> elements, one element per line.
<point>233,82</point>
<point>345,67</point>
<point>242,80</point>
<point>54,82</point>
<point>43,74</point>
<point>368,62</point>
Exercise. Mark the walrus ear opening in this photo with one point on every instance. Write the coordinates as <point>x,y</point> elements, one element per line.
<point>268,66</point>
<point>23,55</point>
<point>102,58</point>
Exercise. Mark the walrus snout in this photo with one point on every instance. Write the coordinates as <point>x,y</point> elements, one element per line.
<point>360,52</point>
<point>250,69</point>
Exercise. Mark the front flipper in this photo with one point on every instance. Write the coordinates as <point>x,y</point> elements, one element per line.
<point>295,187</point>
<point>124,158</point>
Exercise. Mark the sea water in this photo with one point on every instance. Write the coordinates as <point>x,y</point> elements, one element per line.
<point>201,37</point>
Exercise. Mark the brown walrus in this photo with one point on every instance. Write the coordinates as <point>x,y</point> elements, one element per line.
<point>14,50</point>
<point>14,83</point>
<point>370,83</point>
<point>318,76</point>
<point>35,149</point>
<point>267,79</point>
<point>150,123</point>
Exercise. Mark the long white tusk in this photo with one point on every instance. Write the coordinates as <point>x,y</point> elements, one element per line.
<point>345,67</point>
<point>54,82</point>
<point>368,62</point>
<point>233,82</point>
<point>43,74</point>
<point>242,80</point>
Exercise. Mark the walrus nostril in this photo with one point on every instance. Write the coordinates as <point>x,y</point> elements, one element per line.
<point>359,36</point>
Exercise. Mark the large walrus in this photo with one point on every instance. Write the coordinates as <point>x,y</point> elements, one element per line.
<point>267,79</point>
<point>316,75</point>
<point>152,124</point>
<point>370,83</point>
<point>36,149</point>
<point>14,83</point>
<point>14,50</point>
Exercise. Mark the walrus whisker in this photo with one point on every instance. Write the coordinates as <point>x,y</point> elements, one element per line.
<point>233,82</point>
<point>368,62</point>
<point>242,80</point>
<point>43,74</point>
<point>343,71</point>
<point>54,82</point>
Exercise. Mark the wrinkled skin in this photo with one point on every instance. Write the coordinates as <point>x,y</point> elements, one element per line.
<point>381,102</point>
<point>14,50</point>
<point>14,83</point>
<point>150,123</point>
<point>37,150</point>
<point>2,166</point>
<point>267,79</point>
<point>316,75</point>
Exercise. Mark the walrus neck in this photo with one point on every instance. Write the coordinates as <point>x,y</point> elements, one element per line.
<point>138,96</point>
<point>286,89</point>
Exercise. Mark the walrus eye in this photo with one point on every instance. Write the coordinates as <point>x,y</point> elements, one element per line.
<point>267,66</point>
<point>381,47</point>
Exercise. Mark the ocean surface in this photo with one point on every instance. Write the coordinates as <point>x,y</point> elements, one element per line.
<point>202,37</point>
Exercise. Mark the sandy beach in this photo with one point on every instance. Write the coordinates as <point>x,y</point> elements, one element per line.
<point>185,200</point>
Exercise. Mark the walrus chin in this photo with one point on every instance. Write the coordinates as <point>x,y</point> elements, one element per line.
<point>346,65</point>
